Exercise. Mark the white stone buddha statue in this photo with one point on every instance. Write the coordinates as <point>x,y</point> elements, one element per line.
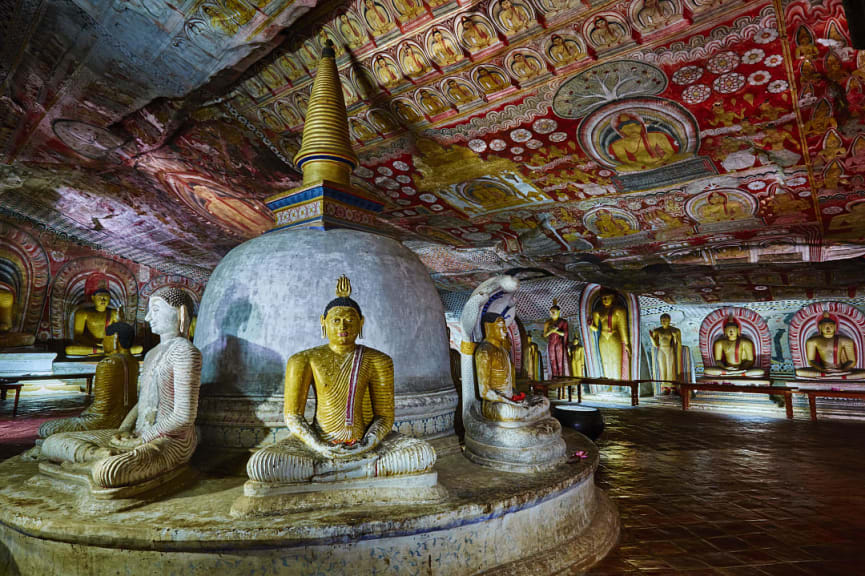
<point>158,435</point>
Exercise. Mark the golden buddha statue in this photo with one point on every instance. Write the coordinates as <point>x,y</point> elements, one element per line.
<point>667,341</point>
<point>578,358</point>
<point>158,435</point>
<point>7,305</point>
<point>351,436</point>
<point>733,354</point>
<point>89,326</point>
<point>610,320</point>
<point>830,355</point>
<point>115,386</point>
<point>533,360</point>
<point>496,378</point>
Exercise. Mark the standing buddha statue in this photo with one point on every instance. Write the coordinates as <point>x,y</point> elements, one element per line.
<point>578,358</point>
<point>667,341</point>
<point>534,361</point>
<point>610,321</point>
<point>556,333</point>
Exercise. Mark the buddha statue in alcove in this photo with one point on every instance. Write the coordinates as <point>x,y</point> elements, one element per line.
<point>733,354</point>
<point>610,320</point>
<point>89,325</point>
<point>351,436</point>
<point>830,354</point>
<point>556,333</point>
<point>7,305</point>
<point>667,341</point>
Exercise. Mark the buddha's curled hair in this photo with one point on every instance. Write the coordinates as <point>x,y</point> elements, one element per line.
<point>181,300</point>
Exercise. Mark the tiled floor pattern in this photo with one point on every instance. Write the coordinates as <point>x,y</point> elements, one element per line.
<point>699,493</point>
<point>703,493</point>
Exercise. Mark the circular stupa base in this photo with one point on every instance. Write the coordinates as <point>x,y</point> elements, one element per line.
<point>490,521</point>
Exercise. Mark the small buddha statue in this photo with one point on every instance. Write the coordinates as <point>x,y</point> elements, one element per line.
<point>496,377</point>
<point>667,341</point>
<point>158,435</point>
<point>733,354</point>
<point>89,326</point>
<point>830,355</point>
<point>578,358</point>
<point>556,333</point>
<point>352,434</point>
<point>534,370</point>
<point>7,305</point>
<point>115,389</point>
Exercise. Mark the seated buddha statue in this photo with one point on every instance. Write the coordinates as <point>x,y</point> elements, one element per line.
<point>496,376</point>
<point>733,354</point>
<point>115,389</point>
<point>89,326</point>
<point>830,355</point>
<point>9,338</point>
<point>351,436</point>
<point>158,435</point>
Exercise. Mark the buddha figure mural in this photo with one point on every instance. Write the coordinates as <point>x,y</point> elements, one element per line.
<point>431,102</point>
<point>351,31</point>
<point>158,436</point>
<point>667,343</point>
<point>610,323</point>
<point>413,61</point>
<point>733,354</point>
<point>526,67</point>
<point>490,81</point>
<point>721,208</point>
<point>563,51</point>
<point>504,430</point>
<point>639,149</point>
<point>351,436</point>
<point>514,17</point>
<point>476,34</point>
<point>830,355</point>
<point>386,72</point>
<point>377,18</point>
<point>556,333</point>
<point>533,360</point>
<point>578,358</point>
<point>443,49</point>
<point>115,388</point>
<point>605,34</point>
<point>408,9</point>
<point>459,93</point>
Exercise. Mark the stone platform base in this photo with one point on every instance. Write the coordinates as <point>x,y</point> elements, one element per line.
<point>490,522</point>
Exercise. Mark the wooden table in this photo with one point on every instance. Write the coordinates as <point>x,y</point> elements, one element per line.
<point>13,381</point>
<point>787,391</point>
<point>815,392</point>
<point>558,383</point>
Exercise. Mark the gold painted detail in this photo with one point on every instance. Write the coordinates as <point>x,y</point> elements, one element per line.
<point>467,347</point>
<point>326,152</point>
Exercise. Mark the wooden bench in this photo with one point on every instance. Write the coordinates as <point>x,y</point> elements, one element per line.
<point>786,391</point>
<point>814,393</point>
<point>7,384</point>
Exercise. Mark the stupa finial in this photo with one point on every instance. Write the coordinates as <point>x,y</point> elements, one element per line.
<point>325,152</point>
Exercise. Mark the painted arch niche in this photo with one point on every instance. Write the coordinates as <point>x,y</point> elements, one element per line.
<point>751,326</point>
<point>851,323</point>
<point>68,292</point>
<point>25,272</point>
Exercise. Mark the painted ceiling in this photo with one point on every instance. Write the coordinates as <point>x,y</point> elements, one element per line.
<point>691,150</point>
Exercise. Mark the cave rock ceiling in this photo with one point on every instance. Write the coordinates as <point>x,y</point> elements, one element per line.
<point>687,149</point>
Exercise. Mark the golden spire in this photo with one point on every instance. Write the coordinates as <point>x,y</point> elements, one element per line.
<point>325,152</point>
<point>343,287</point>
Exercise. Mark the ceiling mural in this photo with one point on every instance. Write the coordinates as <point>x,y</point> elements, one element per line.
<point>694,150</point>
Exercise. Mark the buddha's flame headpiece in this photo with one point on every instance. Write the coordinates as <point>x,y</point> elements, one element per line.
<point>343,293</point>
<point>555,305</point>
<point>731,321</point>
<point>827,317</point>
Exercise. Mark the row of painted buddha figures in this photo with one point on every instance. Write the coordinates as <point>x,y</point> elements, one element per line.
<point>132,437</point>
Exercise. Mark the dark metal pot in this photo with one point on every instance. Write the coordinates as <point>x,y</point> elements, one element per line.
<point>584,419</point>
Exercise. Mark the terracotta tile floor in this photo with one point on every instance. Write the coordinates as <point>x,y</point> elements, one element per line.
<point>699,493</point>
<point>706,493</point>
